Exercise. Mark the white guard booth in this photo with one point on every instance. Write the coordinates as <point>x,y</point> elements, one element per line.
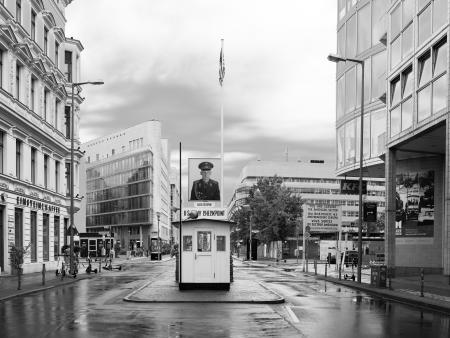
<point>205,254</point>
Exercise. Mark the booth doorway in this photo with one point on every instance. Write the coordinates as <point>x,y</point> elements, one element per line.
<point>203,256</point>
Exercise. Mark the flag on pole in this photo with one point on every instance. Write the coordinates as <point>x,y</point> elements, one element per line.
<point>221,65</point>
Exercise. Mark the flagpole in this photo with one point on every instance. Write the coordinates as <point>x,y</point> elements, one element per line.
<point>221,137</point>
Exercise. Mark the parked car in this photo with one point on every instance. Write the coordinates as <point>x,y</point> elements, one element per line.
<point>426,215</point>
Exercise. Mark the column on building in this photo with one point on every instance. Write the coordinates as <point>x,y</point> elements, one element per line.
<point>389,231</point>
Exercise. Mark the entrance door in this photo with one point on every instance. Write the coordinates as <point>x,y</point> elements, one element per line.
<point>203,257</point>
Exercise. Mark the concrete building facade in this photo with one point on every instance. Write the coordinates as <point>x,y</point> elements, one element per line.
<point>127,185</point>
<point>315,184</point>
<point>404,45</point>
<point>37,65</point>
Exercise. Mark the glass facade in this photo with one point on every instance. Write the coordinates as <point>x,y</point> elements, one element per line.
<point>120,192</point>
<point>360,33</point>
<point>409,75</point>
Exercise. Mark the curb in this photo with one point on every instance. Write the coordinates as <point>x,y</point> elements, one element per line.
<point>43,288</point>
<point>411,300</point>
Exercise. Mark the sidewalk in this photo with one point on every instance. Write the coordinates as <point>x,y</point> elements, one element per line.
<point>403,289</point>
<point>165,290</point>
<point>32,282</point>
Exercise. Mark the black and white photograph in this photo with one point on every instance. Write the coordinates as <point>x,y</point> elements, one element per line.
<point>204,179</point>
<point>224,169</point>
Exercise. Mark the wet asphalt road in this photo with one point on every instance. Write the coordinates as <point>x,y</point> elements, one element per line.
<point>94,308</point>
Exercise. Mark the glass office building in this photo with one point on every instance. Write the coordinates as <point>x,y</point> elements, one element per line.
<point>125,182</point>
<point>404,45</point>
<point>119,195</point>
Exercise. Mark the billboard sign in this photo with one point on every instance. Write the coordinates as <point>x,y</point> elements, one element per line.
<point>351,187</point>
<point>322,218</point>
<point>204,180</point>
<point>414,214</point>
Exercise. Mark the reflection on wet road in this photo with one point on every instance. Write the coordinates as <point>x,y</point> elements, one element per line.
<point>94,308</point>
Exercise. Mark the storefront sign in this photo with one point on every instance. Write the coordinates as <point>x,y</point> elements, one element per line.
<point>37,205</point>
<point>322,218</point>
<point>210,213</point>
<point>351,187</point>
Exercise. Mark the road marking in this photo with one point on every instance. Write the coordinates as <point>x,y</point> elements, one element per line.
<point>292,314</point>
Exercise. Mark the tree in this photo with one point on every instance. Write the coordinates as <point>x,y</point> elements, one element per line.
<point>273,210</point>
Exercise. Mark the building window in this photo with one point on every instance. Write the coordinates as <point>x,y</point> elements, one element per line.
<point>33,25</point>
<point>46,236</point>
<point>57,176</point>
<point>378,78</point>
<point>2,54</point>
<point>57,104</point>
<point>67,174</point>
<point>401,102</point>
<point>350,50</point>
<point>45,40</point>
<point>350,90</point>
<point>56,235</point>
<point>46,160</point>
<point>67,120</point>
<point>46,102</point>
<point>19,11</point>
<point>379,18</point>
<point>33,94</point>
<point>364,35</point>
<point>33,165</point>
<point>33,235</point>
<point>432,80</point>
<point>402,31</point>
<point>56,54</point>
<point>2,150</point>
<point>113,152</point>
<point>18,158</point>
<point>88,159</point>
<point>68,64</point>
<point>18,82</point>
<point>18,227</point>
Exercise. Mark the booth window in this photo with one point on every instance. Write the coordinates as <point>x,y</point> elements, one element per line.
<point>220,243</point>
<point>187,243</point>
<point>203,241</point>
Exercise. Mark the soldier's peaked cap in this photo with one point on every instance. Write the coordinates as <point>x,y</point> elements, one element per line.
<point>205,166</point>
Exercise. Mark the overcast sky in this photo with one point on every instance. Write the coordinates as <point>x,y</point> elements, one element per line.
<point>160,60</point>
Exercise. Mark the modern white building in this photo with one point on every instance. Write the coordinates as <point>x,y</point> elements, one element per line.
<point>127,186</point>
<point>37,65</point>
<point>316,184</point>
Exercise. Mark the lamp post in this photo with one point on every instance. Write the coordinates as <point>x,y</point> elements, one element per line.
<point>72,137</point>
<point>336,59</point>
<point>158,216</point>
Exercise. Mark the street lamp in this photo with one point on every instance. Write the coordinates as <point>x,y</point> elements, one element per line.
<point>336,59</point>
<point>158,216</point>
<point>72,137</point>
<point>246,207</point>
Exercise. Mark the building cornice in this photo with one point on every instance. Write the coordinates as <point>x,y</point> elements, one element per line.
<point>75,42</point>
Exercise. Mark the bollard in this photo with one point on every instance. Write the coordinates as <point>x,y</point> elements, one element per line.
<point>421,282</point>
<point>340,277</point>
<point>100,266</point>
<point>326,269</point>
<point>315,267</point>
<point>43,274</point>
<point>19,278</point>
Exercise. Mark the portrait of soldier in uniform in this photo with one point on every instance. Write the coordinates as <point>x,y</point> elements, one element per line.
<point>205,189</point>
